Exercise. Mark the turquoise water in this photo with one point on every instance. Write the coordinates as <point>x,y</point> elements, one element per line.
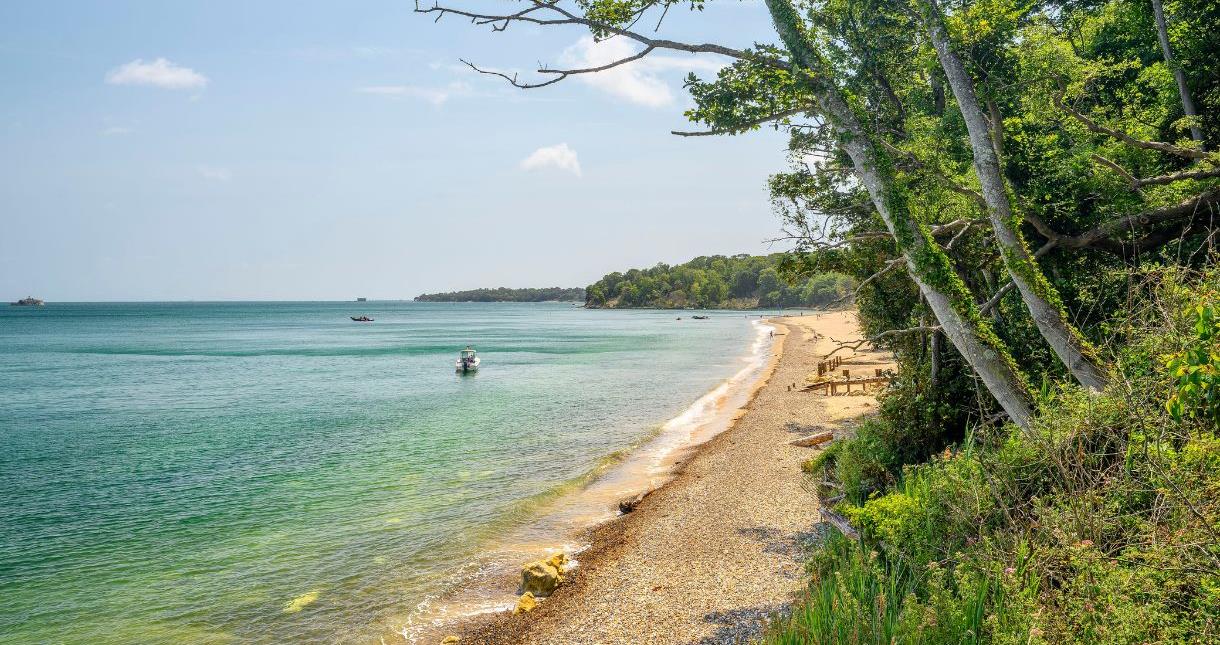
<point>262,472</point>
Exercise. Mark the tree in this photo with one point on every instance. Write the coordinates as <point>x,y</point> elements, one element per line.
<point>1040,297</point>
<point>889,186</point>
<point>1179,77</point>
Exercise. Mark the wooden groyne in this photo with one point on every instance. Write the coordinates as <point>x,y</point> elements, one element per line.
<point>831,386</point>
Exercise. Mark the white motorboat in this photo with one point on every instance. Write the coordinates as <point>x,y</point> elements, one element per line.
<point>468,360</point>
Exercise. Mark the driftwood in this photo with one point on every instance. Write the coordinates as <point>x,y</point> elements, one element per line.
<point>812,440</point>
<point>629,504</point>
<point>839,522</point>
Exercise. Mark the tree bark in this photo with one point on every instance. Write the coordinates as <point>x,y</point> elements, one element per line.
<point>1039,296</point>
<point>1188,105</point>
<point>934,376</point>
<point>926,262</point>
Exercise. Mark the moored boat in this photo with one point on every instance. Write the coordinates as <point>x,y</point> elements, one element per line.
<point>468,360</point>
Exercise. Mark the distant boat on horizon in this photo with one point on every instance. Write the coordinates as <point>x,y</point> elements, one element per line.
<point>362,319</point>
<point>362,299</point>
<point>29,301</point>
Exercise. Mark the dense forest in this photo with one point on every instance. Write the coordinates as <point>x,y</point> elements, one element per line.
<point>504,294</point>
<point>1027,194</point>
<point>719,282</point>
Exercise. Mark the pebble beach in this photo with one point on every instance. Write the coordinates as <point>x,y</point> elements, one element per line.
<point>716,552</point>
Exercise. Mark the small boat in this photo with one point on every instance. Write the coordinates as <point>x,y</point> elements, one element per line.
<point>362,299</point>
<point>699,317</point>
<point>468,360</point>
<point>29,301</point>
<point>362,319</point>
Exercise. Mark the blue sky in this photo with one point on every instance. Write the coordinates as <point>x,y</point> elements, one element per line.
<point>307,150</point>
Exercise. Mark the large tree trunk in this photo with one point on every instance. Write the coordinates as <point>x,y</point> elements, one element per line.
<point>926,262</point>
<point>1188,105</point>
<point>1039,295</point>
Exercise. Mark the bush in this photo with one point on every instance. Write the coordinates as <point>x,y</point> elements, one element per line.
<point>1098,525</point>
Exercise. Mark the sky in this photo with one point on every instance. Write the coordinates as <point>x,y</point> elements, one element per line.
<point>308,150</point>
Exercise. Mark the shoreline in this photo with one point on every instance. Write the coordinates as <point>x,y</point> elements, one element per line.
<point>565,523</point>
<point>714,550</point>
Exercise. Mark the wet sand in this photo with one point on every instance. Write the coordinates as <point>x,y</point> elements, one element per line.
<point>711,555</point>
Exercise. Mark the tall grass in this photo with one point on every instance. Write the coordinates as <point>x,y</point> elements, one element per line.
<point>854,597</point>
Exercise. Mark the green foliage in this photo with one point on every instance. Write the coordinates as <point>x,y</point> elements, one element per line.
<point>504,294</point>
<point>718,282</point>
<point>1097,526</point>
<point>1195,369</point>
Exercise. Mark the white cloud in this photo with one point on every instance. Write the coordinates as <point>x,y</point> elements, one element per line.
<point>557,156</point>
<point>214,173</point>
<point>116,130</point>
<point>435,95</point>
<point>639,81</point>
<point>158,73</point>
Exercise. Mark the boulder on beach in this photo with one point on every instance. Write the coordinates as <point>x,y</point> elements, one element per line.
<point>451,639</point>
<point>525,604</point>
<point>540,578</point>
<point>559,561</point>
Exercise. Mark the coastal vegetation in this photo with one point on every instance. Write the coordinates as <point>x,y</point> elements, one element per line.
<point>504,294</point>
<point>1027,196</point>
<point>720,282</point>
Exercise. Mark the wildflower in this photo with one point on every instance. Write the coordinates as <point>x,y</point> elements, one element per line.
<point>1010,570</point>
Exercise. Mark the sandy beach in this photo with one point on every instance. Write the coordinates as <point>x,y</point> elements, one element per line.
<point>710,556</point>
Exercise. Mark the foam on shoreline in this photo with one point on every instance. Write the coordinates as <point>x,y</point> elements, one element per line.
<point>563,513</point>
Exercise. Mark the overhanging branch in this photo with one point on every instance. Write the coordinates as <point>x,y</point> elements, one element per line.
<point>549,13</point>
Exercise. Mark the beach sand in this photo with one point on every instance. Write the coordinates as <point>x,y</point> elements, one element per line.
<point>711,555</point>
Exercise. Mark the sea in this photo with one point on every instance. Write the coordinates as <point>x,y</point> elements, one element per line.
<point>275,472</point>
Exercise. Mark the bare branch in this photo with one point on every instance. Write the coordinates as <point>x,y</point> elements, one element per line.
<point>550,13</point>
<point>1137,183</point>
<point>855,345</point>
<point>1098,235</point>
<point>1102,236</point>
<point>561,73</point>
<point>1122,172</point>
<point>1093,126</point>
<point>1178,176</point>
<point>889,266</point>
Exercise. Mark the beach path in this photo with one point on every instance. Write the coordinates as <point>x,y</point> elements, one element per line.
<point>711,555</point>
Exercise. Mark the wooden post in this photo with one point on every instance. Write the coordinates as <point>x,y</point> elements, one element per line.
<point>832,388</point>
<point>878,372</point>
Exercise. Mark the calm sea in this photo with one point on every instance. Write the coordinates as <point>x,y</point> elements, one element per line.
<point>263,472</point>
